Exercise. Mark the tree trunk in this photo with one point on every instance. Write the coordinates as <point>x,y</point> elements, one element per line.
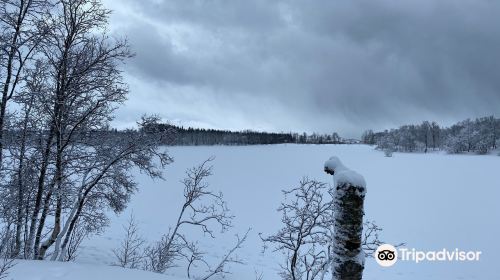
<point>348,255</point>
<point>41,223</point>
<point>20,182</point>
<point>58,193</point>
<point>55,232</point>
<point>20,195</point>
<point>67,230</point>
<point>39,192</point>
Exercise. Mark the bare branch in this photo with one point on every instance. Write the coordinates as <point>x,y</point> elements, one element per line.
<point>228,258</point>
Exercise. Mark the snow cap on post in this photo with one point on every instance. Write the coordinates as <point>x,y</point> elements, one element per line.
<point>343,175</point>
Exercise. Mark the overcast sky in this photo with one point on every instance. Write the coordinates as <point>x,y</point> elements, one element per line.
<point>310,65</point>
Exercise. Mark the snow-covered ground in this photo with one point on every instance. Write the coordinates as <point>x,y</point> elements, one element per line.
<point>44,270</point>
<point>429,201</point>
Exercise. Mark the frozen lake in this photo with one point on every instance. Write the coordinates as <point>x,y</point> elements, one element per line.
<point>429,201</point>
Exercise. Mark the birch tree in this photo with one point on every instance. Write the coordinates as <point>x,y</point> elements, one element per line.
<point>66,169</point>
<point>22,29</point>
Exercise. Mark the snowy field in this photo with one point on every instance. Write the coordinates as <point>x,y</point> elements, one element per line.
<point>429,201</point>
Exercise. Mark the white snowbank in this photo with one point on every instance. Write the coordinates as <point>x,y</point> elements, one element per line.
<point>49,270</point>
<point>343,175</point>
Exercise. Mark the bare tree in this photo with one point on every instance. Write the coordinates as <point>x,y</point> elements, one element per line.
<point>203,209</point>
<point>130,252</point>
<point>66,170</point>
<point>194,212</point>
<point>22,152</point>
<point>106,179</point>
<point>307,223</point>
<point>87,87</point>
<point>22,28</point>
<point>307,233</point>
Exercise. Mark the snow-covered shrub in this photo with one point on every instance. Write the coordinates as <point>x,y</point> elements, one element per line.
<point>385,142</point>
<point>388,152</point>
<point>420,146</point>
<point>483,146</point>
<point>455,145</point>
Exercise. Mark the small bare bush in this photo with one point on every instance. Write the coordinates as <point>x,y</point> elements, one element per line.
<point>130,253</point>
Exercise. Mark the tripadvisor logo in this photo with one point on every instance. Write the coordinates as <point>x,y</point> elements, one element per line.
<point>387,255</point>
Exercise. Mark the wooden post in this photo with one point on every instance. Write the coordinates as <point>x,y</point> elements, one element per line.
<point>349,193</point>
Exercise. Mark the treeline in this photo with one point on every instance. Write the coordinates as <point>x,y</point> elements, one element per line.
<point>478,136</point>
<point>181,136</point>
<point>199,136</point>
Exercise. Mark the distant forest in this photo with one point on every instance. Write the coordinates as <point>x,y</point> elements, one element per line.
<point>477,136</point>
<point>189,136</point>
<point>199,136</point>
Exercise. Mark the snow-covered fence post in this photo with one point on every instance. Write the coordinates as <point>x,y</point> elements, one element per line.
<point>349,194</point>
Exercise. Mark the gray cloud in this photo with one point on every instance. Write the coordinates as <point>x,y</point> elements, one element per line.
<point>311,65</point>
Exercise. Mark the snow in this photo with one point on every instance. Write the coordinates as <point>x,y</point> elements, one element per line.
<point>48,270</point>
<point>343,175</point>
<point>334,164</point>
<point>429,201</point>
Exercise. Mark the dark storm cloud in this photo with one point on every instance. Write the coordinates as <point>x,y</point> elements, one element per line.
<point>343,65</point>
